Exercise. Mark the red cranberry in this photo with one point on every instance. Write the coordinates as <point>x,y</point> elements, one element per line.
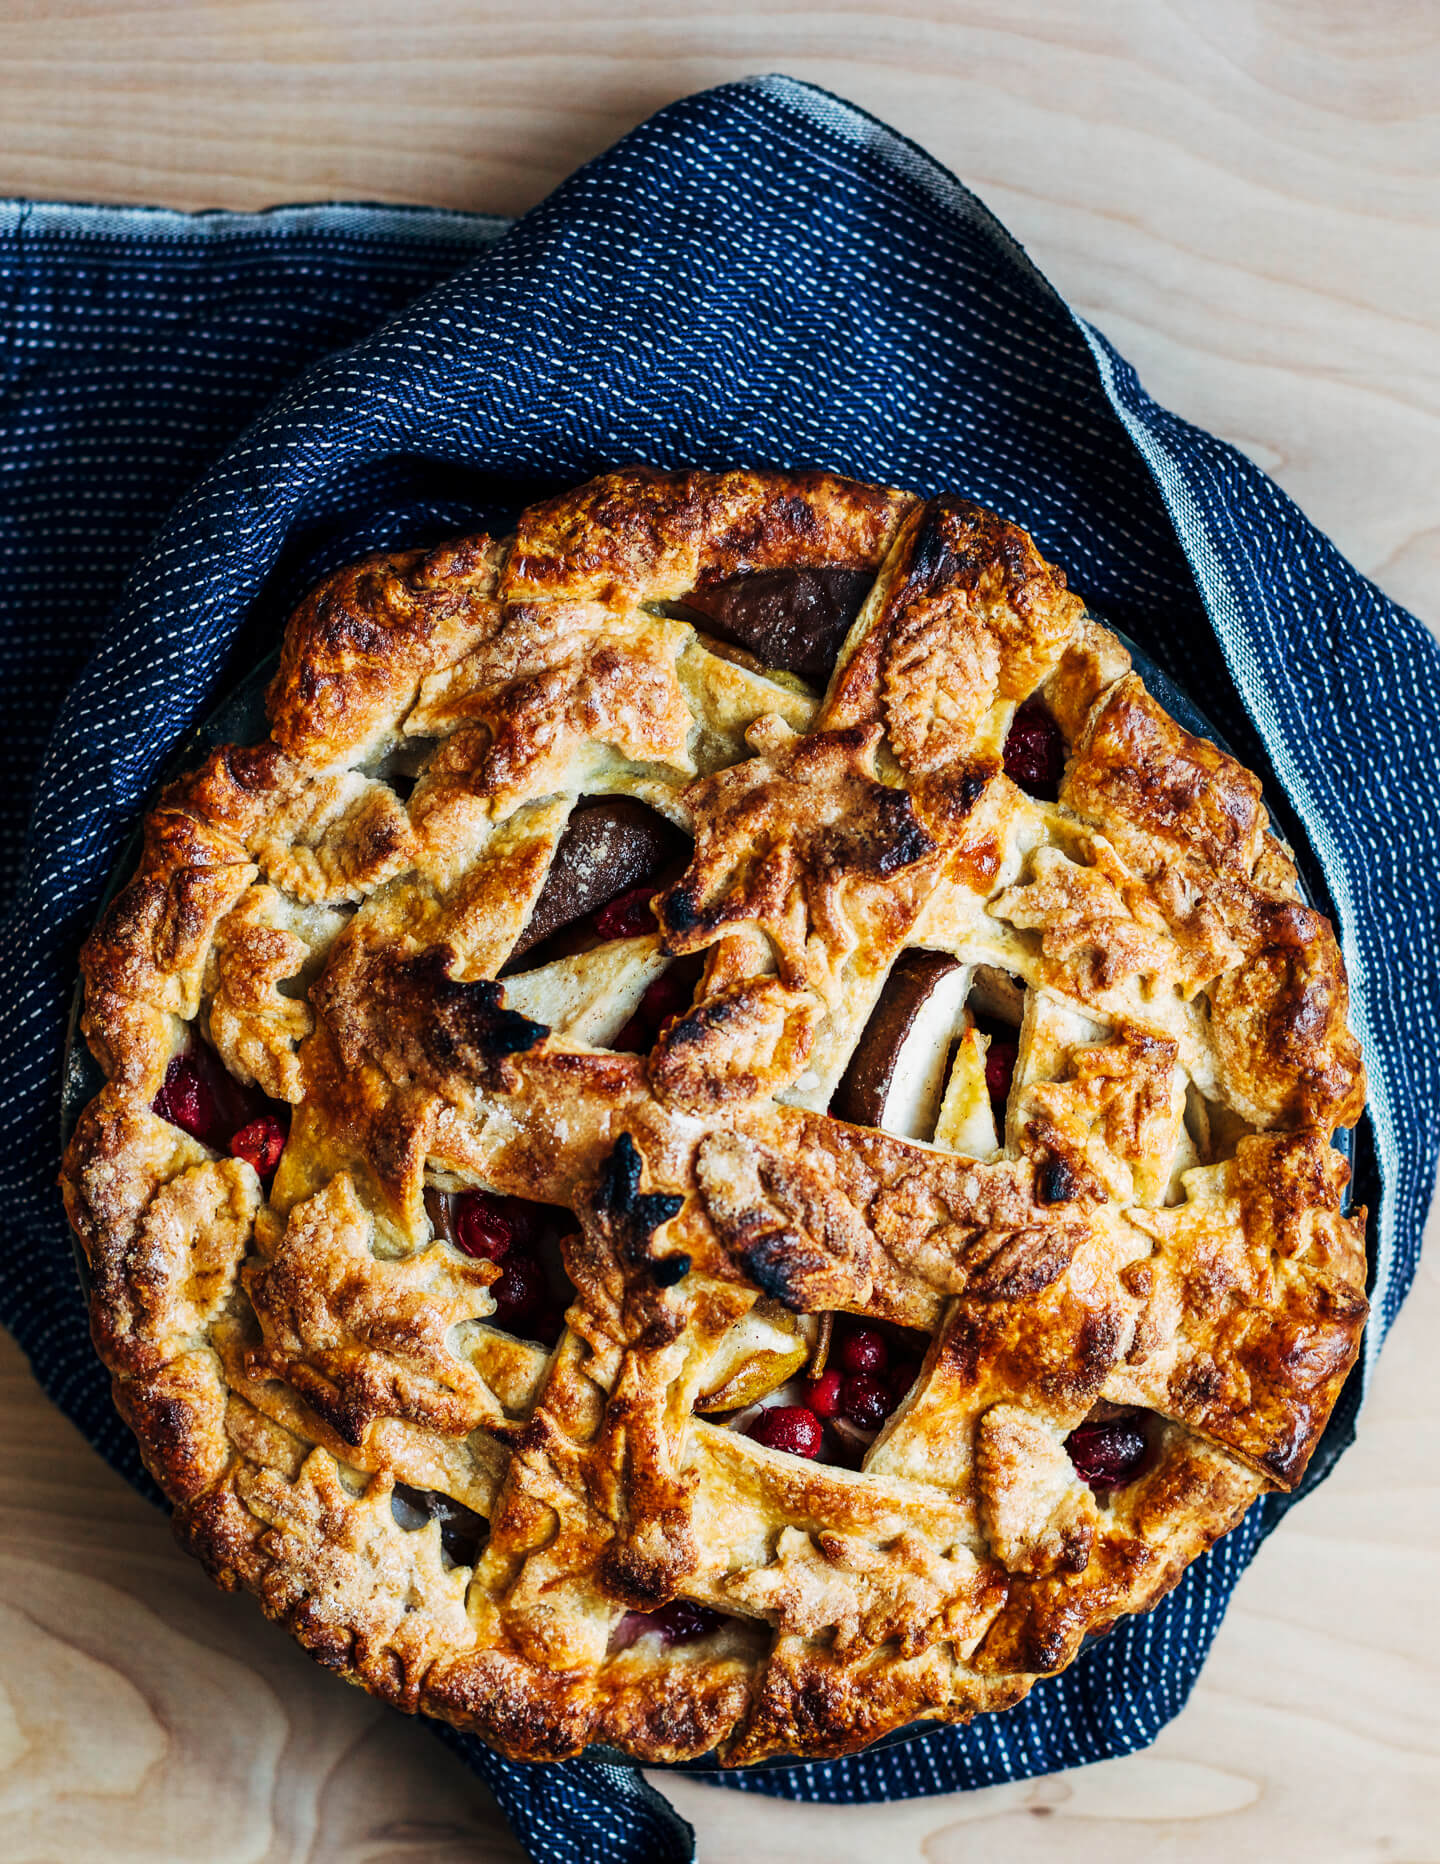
<point>628,915</point>
<point>681,1622</point>
<point>901,1377</point>
<point>1035,752</point>
<point>1000,1062</point>
<point>1109,1452</point>
<point>865,1400</point>
<point>260,1144</point>
<point>185,1100</point>
<point>789,1427</point>
<point>667,996</point>
<point>519,1293</point>
<point>864,1351</point>
<point>201,1097</point>
<point>488,1227</point>
<point>824,1394</point>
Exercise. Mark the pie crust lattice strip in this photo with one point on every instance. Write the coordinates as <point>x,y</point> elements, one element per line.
<point>723,1140</point>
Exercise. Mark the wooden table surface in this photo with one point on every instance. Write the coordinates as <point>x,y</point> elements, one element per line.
<point>1245,195</point>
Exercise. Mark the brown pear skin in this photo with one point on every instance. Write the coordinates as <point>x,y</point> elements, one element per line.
<point>610,845</point>
<point>865,1085</point>
<point>795,620</point>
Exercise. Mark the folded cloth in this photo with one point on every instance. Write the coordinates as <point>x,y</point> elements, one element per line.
<point>760,274</point>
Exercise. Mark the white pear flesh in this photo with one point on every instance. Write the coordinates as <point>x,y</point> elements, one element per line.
<point>967,1120</point>
<point>912,1101</point>
<point>588,998</point>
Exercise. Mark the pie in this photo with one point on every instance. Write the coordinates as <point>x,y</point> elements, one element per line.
<point>722,1142</point>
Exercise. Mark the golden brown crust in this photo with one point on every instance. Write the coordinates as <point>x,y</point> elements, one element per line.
<point>1161,790</point>
<point>645,535</point>
<point>1157,1226</point>
<point>968,616</point>
<point>359,645</point>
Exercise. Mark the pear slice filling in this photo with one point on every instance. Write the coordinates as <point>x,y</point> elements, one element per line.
<point>758,1355</point>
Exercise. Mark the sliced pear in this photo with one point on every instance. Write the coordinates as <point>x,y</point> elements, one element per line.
<point>820,1349</point>
<point>967,1121</point>
<point>794,619</point>
<point>896,1077</point>
<point>998,995</point>
<point>759,1353</point>
<point>589,997</point>
<point>1197,1124</point>
<point>610,844</point>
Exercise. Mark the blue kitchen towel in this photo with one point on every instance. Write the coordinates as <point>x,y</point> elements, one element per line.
<point>760,274</point>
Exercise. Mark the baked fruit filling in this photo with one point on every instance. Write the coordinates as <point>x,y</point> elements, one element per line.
<point>202,1098</point>
<point>791,620</point>
<point>1034,754</point>
<point>608,867</point>
<point>937,1057</point>
<point>525,1239</point>
<point>463,1533</point>
<point>679,1622</point>
<point>1112,1448</point>
<point>818,1386</point>
<point>723,1140</point>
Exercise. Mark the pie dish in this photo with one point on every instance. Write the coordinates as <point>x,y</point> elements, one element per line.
<point>722,1143</point>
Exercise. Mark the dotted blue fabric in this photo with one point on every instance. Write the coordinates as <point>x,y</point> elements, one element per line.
<point>759,274</point>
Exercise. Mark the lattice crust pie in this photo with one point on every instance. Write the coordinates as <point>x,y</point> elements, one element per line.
<point>722,1141</point>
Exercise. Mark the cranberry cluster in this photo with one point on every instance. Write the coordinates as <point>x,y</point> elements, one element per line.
<point>871,1375</point>
<point>1035,752</point>
<point>202,1098</point>
<point>509,1230</point>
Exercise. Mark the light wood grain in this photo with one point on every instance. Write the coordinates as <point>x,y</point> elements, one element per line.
<point>1244,196</point>
<point>1243,193</point>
